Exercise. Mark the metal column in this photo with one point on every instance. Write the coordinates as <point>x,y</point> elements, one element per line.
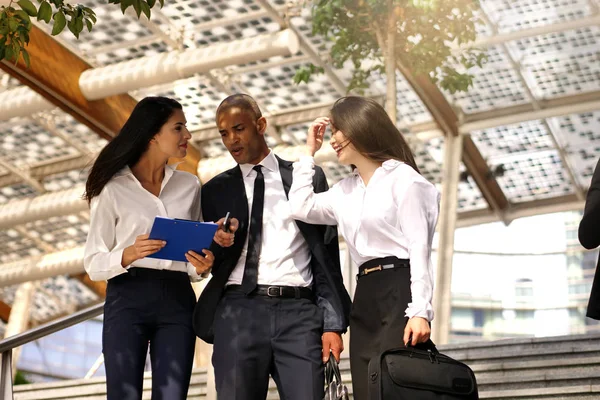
<point>447,223</point>
<point>6,380</point>
<point>19,316</point>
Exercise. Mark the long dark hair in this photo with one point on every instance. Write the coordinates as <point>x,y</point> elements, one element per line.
<point>368,127</point>
<point>125,149</point>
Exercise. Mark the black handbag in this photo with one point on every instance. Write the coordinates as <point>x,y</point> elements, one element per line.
<point>334,387</point>
<point>420,373</point>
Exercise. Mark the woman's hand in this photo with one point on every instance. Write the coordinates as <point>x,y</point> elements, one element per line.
<point>225,239</point>
<point>316,132</point>
<point>202,263</point>
<point>417,328</point>
<point>143,247</point>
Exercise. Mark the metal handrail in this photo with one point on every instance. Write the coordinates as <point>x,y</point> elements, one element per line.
<point>51,327</point>
<point>7,345</point>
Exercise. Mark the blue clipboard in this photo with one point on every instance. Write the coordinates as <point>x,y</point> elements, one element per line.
<point>181,236</point>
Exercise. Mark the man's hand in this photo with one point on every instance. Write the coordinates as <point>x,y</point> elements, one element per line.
<point>225,239</point>
<point>417,328</point>
<point>332,342</point>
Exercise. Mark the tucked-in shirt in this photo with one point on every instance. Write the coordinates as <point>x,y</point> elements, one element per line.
<point>394,215</point>
<point>284,255</point>
<point>125,210</point>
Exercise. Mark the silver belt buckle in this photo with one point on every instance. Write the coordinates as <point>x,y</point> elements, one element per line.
<point>279,292</point>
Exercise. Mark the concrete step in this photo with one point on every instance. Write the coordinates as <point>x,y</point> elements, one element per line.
<point>525,349</point>
<point>580,392</point>
<point>95,388</point>
<point>515,369</point>
<point>538,373</point>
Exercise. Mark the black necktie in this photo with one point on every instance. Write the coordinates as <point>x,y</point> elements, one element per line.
<point>254,241</point>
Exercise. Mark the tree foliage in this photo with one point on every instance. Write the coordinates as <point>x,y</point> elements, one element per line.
<point>428,33</point>
<point>15,21</point>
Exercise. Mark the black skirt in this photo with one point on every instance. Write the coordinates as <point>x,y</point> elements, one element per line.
<point>377,319</point>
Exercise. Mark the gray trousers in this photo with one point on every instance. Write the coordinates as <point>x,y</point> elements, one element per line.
<point>258,336</point>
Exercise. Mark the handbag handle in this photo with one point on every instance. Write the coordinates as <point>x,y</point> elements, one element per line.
<point>332,370</point>
<point>427,346</point>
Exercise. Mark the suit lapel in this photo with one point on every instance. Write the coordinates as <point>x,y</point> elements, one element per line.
<point>240,202</point>
<point>285,170</point>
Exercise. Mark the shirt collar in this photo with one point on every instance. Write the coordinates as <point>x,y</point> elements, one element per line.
<point>168,171</point>
<point>388,165</point>
<point>269,162</point>
<point>391,164</point>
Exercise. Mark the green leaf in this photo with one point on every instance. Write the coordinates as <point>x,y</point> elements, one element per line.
<point>2,52</point>
<point>162,3</point>
<point>89,25</point>
<point>137,6</point>
<point>45,12</point>
<point>151,3</point>
<point>125,4</point>
<point>145,9</point>
<point>79,25</point>
<point>9,54</point>
<point>28,7</point>
<point>25,18</point>
<point>25,57</point>
<point>13,24</point>
<point>59,23</point>
<point>72,25</point>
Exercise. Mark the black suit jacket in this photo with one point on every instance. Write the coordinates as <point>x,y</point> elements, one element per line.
<point>589,237</point>
<point>226,193</point>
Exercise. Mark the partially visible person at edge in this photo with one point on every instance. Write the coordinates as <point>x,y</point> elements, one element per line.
<point>148,301</point>
<point>589,237</point>
<point>387,213</point>
<point>276,303</point>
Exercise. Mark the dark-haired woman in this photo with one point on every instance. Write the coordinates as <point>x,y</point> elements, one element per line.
<point>148,301</point>
<point>387,213</point>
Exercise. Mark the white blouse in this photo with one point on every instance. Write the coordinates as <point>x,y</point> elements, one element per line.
<point>125,210</point>
<point>394,215</point>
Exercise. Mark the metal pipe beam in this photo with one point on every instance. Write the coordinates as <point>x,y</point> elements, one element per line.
<point>522,210</point>
<point>543,113</point>
<point>98,83</point>
<point>23,176</point>
<point>66,262</point>
<point>47,168</point>
<point>496,39</point>
<point>65,202</point>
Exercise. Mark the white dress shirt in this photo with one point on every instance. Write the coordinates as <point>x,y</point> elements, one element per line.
<point>125,210</point>
<point>284,255</point>
<point>394,215</point>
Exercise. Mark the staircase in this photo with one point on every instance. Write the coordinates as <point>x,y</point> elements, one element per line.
<point>565,367</point>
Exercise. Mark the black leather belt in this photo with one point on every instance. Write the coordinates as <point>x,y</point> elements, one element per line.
<point>380,264</point>
<point>289,292</point>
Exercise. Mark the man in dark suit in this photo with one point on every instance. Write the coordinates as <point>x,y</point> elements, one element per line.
<point>589,237</point>
<point>276,304</point>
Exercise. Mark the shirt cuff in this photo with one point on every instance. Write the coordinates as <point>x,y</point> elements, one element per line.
<point>194,277</point>
<point>115,268</point>
<point>306,160</point>
<point>420,310</point>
